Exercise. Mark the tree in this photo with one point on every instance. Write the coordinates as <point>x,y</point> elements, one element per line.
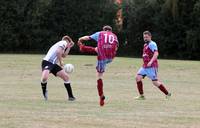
<point>173,23</point>
<point>34,25</point>
<point>172,6</point>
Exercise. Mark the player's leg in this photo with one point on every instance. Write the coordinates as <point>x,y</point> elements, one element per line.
<point>100,70</point>
<point>63,75</point>
<point>152,74</point>
<point>100,88</point>
<point>44,78</point>
<point>87,49</point>
<point>140,75</point>
<point>100,84</point>
<point>161,87</point>
<point>45,74</point>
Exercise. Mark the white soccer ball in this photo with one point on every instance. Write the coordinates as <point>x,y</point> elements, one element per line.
<point>69,68</point>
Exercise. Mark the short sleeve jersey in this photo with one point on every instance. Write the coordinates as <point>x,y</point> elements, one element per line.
<point>148,52</point>
<point>107,43</point>
<point>51,55</point>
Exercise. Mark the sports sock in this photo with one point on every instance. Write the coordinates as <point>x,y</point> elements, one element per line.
<point>163,89</point>
<point>100,87</point>
<point>140,87</point>
<point>69,89</point>
<point>44,87</point>
<point>87,49</point>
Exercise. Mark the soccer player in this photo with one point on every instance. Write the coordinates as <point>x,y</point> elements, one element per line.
<point>107,44</point>
<point>53,63</point>
<point>150,66</point>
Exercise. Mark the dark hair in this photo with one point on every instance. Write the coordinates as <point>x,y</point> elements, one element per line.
<point>147,33</point>
<point>107,28</point>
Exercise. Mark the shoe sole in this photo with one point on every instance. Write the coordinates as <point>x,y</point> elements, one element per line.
<point>71,99</point>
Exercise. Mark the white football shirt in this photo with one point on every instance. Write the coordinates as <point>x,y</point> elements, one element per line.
<point>51,55</point>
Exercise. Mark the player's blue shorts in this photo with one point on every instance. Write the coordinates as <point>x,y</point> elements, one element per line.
<point>101,65</point>
<point>149,72</point>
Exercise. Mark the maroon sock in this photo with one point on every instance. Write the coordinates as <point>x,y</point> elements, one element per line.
<point>140,87</point>
<point>87,49</point>
<point>163,89</point>
<point>100,87</point>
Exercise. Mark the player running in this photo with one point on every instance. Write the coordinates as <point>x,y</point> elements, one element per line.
<point>150,66</point>
<point>107,44</point>
<point>53,63</point>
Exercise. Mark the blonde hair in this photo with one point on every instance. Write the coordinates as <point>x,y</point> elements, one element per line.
<point>66,38</point>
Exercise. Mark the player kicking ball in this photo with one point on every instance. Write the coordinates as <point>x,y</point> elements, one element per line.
<point>150,66</point>
<point>107,44</point>
<point>53,63</point>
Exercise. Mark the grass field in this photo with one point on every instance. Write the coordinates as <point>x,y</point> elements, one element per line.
<point>22,106</point>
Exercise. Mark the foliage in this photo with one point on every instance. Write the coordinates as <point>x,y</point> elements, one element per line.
<point>174,24</point>
<point>34,25</point>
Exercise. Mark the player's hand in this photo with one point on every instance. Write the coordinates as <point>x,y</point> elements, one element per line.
<point>96,49</point>
<point>62,64</point>
<point>79,43</point>
<point>149,64</point>
<point>71,44</point>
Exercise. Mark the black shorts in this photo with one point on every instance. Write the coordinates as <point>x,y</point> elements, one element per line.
<point>53,68</point>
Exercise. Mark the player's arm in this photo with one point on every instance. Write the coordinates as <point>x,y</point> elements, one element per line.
<point>88,49</point>
<point>68,48</point>
<point>116,48</point>
<point>154,49</point>
<point>91,37</point>
<point>84,38</point>
<point>117,45</point>
<point>70,44</point>
<point>66,52</point>
<point>155,56</point>
<point>59,53</point>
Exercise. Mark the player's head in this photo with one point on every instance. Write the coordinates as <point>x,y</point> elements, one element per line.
<point>147,36</point>
<point>107,28</point>
<point>67,38</point>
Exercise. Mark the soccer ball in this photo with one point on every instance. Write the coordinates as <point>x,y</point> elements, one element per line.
<point>69,68</point>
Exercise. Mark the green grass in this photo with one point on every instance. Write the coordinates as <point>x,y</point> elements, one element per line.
<point>22,106</point>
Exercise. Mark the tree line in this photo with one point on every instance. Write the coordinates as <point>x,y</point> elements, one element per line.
<point>32,26</point>
<point>175,25</point>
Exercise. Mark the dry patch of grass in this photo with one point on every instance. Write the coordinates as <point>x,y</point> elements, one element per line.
<point>21,103</point>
